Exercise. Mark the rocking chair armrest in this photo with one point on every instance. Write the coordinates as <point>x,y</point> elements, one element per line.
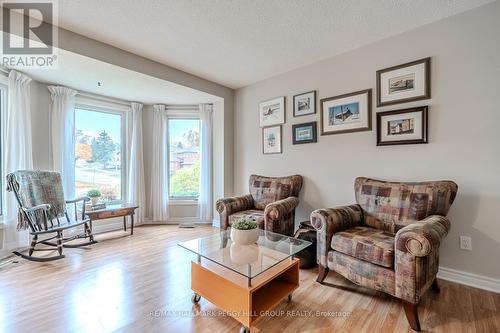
<point>84,199</point>
<point>44,207</point>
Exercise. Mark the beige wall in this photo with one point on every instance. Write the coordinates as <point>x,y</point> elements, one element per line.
<point>464,130</point>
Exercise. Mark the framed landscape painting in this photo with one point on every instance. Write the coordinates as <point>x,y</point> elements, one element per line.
<point>400,127</point>
<point>271,140</point>
<point>272,112</point>
<point>347,113</point>
<point>304,133</point>
<point>404,83</point>
<point>304,104</point>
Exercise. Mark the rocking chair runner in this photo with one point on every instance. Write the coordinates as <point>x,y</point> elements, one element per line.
<point>42,210</point>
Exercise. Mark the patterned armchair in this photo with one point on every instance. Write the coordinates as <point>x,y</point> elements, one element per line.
<point>271,203</point>
<point>42,210</point>
<point>389,241</point>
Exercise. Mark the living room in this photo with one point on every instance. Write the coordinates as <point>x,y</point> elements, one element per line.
<point>225,166</point>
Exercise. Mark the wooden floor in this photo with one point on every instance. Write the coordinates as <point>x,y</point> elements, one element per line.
<point>141,283</point>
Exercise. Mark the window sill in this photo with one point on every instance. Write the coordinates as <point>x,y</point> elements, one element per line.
<point>182,202</point>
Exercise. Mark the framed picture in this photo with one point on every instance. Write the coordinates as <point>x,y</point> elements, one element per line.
<point>401,127</point>
<point>272,112</point>
<point>271,140</point>
<point>304,133</point>
<point>404,83</point>
<point>304,104</point>
<point>347,113</point>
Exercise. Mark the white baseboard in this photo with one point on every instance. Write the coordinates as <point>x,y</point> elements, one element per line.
<point>177,220</point>
<point>469,279</point>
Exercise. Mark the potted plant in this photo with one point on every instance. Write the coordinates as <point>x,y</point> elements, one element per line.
<point>244,232</point>
<point>94,195</point>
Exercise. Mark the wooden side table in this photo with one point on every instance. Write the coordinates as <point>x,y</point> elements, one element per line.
<point>120,210</point>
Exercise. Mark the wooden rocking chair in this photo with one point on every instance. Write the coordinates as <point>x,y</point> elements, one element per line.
<point>42,210</point>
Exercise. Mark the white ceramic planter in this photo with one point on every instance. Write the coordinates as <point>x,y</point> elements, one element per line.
<point>94,200</point>
<point>245,237</point>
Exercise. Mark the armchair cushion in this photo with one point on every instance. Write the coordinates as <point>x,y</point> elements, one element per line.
<point>365,243</point>
<point>252,214</point>
<point>265,190</point>
<point>328,221</point>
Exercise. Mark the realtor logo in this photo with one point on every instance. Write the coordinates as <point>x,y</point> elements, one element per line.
<point>29,34</point>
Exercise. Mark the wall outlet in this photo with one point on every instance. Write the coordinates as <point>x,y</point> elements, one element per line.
<point>466,243</point>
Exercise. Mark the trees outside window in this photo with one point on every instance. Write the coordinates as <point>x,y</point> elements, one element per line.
<point>184,153</point>
<point>98,141</point>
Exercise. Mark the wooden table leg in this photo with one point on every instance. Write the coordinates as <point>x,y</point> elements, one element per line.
<point>132,224</point>
<point>125,223</point>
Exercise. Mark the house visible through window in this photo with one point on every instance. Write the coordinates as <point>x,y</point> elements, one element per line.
<point>98,153</point>
<point>184,158</point>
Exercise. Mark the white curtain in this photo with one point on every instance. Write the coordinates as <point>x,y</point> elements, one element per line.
<point>17,149</point>
<point>135,163</point>
<point>159,170</point>
<point>62,118</point>
<point>205,206</point>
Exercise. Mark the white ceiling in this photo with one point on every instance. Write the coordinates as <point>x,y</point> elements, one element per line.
<point>239,42</point>
<point>83,73</point>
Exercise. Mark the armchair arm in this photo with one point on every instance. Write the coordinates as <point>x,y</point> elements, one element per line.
<point>84,199</point>
<point>328,221</point>
<point>276,210</point>
<point>278,216</point>
<point>228,206</point>
<point>423,237</point>
<point>417,256</point>
<point>44,207</point>
<point>38,214</point>
<point>75,201</point>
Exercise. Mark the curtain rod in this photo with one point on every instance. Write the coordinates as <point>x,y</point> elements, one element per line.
<point>103,98</point>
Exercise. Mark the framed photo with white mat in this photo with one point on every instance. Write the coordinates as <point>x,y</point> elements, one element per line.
<point>404,83</point>
<point>271,140</point>
<point>347,113</point>
<point>272,112</point>
<point>402,127</point>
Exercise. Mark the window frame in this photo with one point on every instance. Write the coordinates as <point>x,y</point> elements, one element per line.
<point>180,114</point>
<point>110,108</point>
<point>3,109</point>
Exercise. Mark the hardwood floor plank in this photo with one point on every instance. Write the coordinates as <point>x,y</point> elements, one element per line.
<point>141,283</point>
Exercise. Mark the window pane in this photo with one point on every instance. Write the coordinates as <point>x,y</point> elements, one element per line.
<point>184,148</point>
<point>98,154</point>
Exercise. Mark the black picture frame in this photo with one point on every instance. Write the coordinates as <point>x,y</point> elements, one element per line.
<point>313,125</point>
<point>424,125</point>
<point>427,82</point>
<point>313,107</point>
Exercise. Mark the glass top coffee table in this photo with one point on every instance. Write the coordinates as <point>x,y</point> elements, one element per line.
<point>245,280</point>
